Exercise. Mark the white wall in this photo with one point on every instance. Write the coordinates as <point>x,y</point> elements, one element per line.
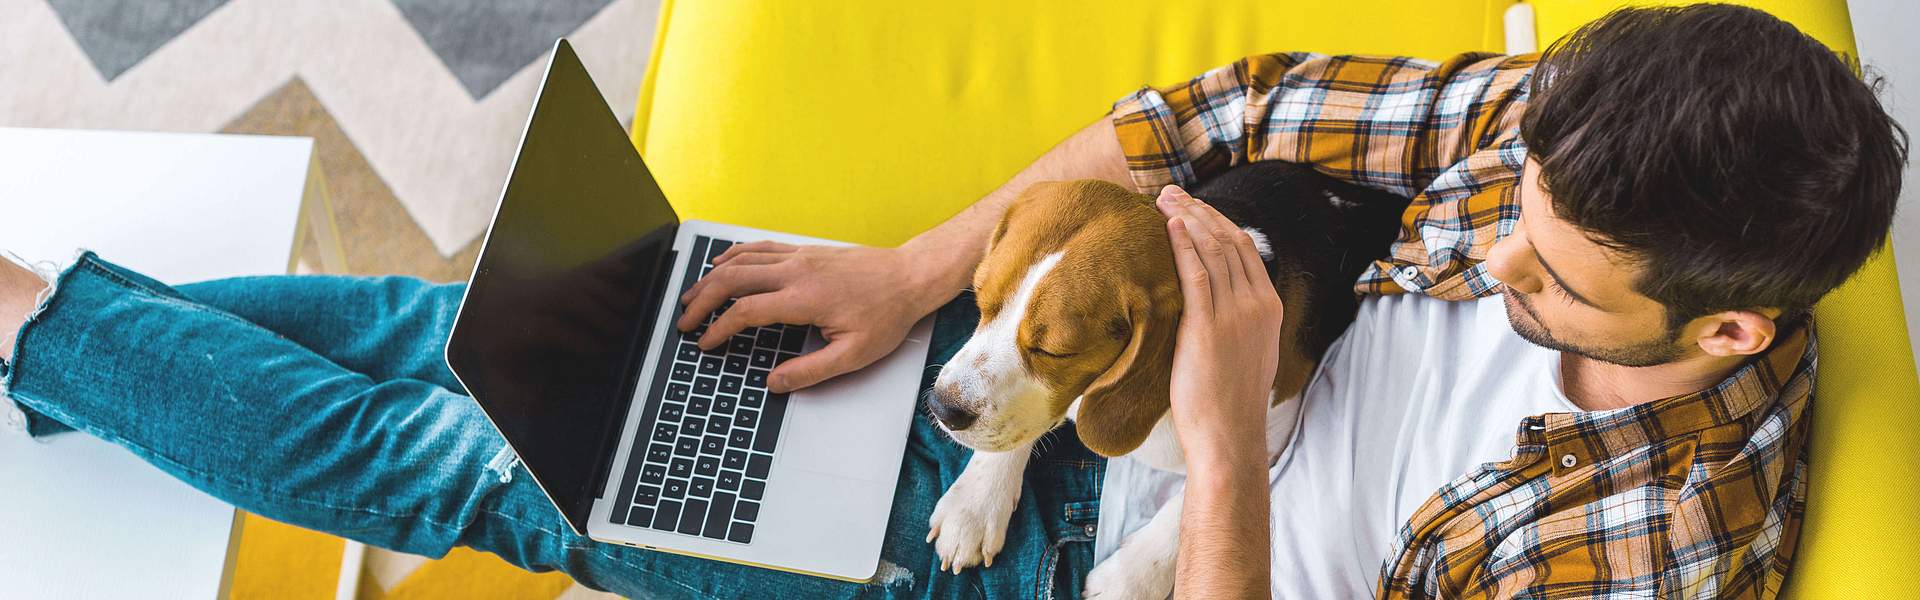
<point>1885,31</point>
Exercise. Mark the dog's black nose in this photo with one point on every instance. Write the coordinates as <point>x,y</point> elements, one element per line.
<point>954,418</point>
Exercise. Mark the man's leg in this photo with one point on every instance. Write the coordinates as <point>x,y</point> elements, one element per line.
<point>393,458</point>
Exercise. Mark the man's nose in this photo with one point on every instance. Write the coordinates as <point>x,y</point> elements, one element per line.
<point>943,408</point>
<point>1507,261</point>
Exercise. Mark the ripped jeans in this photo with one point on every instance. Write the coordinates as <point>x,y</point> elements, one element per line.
<point>323,402</point>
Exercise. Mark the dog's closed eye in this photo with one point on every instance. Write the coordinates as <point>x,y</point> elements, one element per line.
<point>1038,351</point>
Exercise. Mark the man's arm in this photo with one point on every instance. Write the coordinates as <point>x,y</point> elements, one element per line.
<point>865,299</point>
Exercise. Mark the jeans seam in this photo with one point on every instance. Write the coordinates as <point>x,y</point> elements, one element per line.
<point>155,294</point>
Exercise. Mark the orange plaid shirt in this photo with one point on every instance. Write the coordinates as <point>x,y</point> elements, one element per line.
<point>1694,496</point>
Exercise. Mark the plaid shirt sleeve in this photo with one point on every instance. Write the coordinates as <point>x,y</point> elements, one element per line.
<point>1695,496</point>
<point>1444,134</point>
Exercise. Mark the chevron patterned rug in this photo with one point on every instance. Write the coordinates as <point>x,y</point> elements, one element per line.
<point>415,107</point>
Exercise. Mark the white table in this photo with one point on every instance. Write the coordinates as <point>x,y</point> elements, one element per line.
<point>81,518</point>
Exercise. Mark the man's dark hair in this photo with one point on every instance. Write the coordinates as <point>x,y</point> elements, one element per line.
<point>1738,160</point>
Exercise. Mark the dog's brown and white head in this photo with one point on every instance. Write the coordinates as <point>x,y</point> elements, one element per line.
<point>1078,300</point>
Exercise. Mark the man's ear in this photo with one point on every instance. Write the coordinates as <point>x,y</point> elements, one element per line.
<point>1735,333</point>
<point>1121,406</point>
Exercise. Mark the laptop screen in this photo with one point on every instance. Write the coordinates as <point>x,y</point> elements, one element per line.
<point>565,290</point>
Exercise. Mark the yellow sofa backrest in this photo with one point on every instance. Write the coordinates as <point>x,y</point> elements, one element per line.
<point>872,120</point>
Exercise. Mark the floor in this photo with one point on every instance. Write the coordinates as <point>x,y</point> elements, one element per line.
<point>415,107</point>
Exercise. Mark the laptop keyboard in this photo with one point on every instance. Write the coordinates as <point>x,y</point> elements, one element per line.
<point>700,465</point>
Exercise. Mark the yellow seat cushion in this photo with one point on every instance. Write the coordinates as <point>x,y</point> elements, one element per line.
<point>873,120</point>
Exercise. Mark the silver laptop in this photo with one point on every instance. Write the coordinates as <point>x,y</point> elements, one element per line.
<point>639,437</point>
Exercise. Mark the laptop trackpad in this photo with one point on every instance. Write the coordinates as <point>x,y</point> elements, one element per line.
<point>853,425</point>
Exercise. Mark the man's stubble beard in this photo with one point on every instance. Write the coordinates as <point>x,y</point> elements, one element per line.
<point>1653,353</point>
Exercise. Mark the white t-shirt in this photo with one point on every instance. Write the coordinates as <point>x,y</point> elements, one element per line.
<point>1417,393</point>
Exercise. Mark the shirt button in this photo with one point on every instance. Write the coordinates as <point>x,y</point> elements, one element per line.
<point>1568,461</point>
<point>1409,272</point>
<point>1089,529</point>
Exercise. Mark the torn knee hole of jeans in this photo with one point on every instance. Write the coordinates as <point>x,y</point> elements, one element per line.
<point>503,463</point>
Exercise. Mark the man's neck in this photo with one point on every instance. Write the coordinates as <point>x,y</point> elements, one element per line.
<point>1593,385</point>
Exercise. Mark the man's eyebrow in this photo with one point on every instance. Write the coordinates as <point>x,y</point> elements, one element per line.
<point>1558,280</point>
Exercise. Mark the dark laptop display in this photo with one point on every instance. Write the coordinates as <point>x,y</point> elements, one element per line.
<point>549,340</point>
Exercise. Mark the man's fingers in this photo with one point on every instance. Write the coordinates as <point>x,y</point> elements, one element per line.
<point>726,283</point>
<point>1194,284</point>
<point>1257,278</point>
<point>751,311</point>
<point>1213,256</point>
<point>738,249</point>
<point>840,356</point>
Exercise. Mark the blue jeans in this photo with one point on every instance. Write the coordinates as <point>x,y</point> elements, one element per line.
<point>324,402</point>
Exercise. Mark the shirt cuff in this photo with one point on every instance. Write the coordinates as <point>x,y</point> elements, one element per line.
<point>1150,138</point>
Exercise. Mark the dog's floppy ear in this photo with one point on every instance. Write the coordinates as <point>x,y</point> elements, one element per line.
<point>1121,406</point>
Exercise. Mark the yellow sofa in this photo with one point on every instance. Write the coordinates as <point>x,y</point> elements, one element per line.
<point>873,120</point>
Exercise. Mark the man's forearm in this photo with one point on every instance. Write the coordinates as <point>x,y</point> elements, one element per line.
<point>952,250</point>
<point>1224,534</point>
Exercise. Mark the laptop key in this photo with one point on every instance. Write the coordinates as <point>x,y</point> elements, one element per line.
<point>758,465</point>
<point>717,248</point>
<point>689,352</point>
<point>752,489</point>
<point>667,518</point>
<point>723,404</point>
<point>711,365</point>
<point>740,344</point>
<point>674,489</point>
<point>729,481</point>
<point>794,339</point>
<point>713,444</point>
<point>659,453</point>
<point>653,474</point>
<point>719,516</point>
<point>784,357</point>
<point>678,392</point>
<point>740,438</point>
<point>704,386</point>
<point>745,419</point>
<point>718,425</point>
<point>752,398</point>
<point>740,534</point>
<point>735,460</point>
<point>730,384</point>
<point>641,516</point>
<point>700,487</point>
<point>682,372</point>
<point>707,466</point>
<point>692,426</point>
<point>769,338</point>
<point>736,364</point>
<point>698,405</point>
<point>693,516</point>
<point>665,432</point>
<point>762,359</point>
<point>747,511</point>
<point>764,439</point>
<point>647,495</point>
<point>688,446</point>
<point>672,412</point>
<point>682,467</point>
<point>757,378</point>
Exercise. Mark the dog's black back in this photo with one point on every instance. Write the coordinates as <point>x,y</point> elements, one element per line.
<point>1324,232</point>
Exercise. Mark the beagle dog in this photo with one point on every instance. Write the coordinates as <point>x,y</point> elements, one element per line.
<point>1079,302</point>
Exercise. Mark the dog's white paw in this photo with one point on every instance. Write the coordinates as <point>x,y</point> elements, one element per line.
<point>1142,569</point>
<point>969,524</point>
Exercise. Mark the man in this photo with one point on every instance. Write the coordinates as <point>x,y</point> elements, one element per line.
<point>1657,209</point>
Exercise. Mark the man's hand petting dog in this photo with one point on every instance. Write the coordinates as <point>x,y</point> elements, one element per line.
<point>863,299</point>
<point>1224,363</point>
<point>1224,358</point>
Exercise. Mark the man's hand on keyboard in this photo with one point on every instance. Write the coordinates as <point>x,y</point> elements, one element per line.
<point>863,299</point>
